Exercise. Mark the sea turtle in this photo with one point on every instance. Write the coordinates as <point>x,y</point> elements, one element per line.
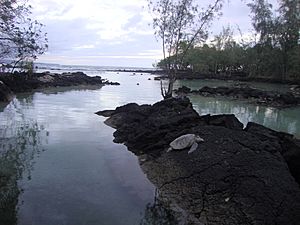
<point>185,141</point>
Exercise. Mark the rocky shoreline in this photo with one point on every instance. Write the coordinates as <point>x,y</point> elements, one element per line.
<point>254,96</point>
<point>189,75</point>
<point>22,82</point>
<point>236,176</point>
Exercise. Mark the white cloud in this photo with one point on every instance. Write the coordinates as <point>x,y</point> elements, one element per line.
<point>119,30</point>
<point>116,28</point>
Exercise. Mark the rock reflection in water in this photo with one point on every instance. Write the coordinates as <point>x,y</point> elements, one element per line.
<point>20,141</point>
<point>285,120</point>
<point>169,206</point>
<point>159,212</point>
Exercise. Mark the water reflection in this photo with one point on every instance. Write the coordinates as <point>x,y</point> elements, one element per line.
<point>83,177</point>
<point>158,213</point>
<point>21,139</point>
<point>59,90</point>
<point>285,120</point>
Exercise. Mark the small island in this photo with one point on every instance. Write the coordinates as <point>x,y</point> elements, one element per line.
<point>25,82</point>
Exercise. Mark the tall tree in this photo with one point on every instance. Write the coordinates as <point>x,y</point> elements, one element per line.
<point>278,37</point>
<point>180,24</point>
<point>262,19</point>
<point>21,38</point>
<point>289,31</point>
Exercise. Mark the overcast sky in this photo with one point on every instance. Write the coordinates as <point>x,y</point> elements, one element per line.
<point>111,32</point>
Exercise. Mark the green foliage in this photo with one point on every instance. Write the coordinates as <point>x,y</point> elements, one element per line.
<point>180,24</point>
<point>21,141</point>
<point>274,55</point>
<point>20,37</point>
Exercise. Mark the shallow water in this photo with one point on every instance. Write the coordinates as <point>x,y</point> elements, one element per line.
<point>197,84</point>
<point>286,120</point>
<point>68,167</point>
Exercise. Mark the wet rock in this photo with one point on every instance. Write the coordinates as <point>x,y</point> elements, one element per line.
<point>224,120</point>
<point>289,146</point>
<point>183,89</point>
<point>228,180</point>
<point>111,83</point>
<point>105,113</point>
<point>142,127</point>
<point>234,177</point>
<point>21,82</point>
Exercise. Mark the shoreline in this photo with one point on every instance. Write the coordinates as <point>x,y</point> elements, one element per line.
<point>24,82</point>
<point>183,75</point>
<point>244,92</point>
<point>233,167</point>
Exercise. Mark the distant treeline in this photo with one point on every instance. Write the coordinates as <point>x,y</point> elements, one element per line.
<point>273,52</point>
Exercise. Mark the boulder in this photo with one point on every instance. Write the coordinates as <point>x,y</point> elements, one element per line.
<point>289,145</point>
<point>183,90</point>
<point>224,120</point>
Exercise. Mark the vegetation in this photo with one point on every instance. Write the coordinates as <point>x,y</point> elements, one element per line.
<point>273,52</point>
<point>21,38</point>
<point>180,24</point>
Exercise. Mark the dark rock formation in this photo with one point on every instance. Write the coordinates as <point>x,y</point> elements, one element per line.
<point>6,95</point>
<point>256,96</point>
<point>21,82</point>
<point>183,89</point>
<point>225,120</point>
<point>235,176</point>
<point>289,146</point>
<point>67,79</point>
<point>111,83</point>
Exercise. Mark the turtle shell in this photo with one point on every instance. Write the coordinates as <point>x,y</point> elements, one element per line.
<point>183,141</point>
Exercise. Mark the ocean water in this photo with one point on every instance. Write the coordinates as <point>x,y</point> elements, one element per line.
<point>65,168</point>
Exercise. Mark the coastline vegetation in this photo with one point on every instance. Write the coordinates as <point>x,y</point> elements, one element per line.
<point>273,52</point>
<point>21,38</point>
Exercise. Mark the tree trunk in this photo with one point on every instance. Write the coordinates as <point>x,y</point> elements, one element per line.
<point>169,92</point>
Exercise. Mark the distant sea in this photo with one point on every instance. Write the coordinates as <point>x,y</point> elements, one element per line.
<point>84,68</point>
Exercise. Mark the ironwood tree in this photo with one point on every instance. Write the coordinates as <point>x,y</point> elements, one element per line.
<point>180,24</point>
<point>21,38</point>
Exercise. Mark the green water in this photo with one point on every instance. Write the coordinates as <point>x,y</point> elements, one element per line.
<point>286,120</point>
<point>62,159</point>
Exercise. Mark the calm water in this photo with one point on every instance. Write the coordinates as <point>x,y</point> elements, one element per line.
<point>69,170</point>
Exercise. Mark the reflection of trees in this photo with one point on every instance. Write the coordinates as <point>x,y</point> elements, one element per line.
<point>158,213</point>
<point>21,139</point>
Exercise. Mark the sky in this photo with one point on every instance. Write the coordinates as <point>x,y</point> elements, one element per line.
<point>112,32</point>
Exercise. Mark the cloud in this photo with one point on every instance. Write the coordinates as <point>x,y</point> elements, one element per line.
<point>116,29</point>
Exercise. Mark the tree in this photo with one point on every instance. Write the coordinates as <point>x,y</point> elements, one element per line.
<point>289,32</point>
<point>262,19</point>
<point>21,38</point>
<point>180,24</point>
<point>276,50</point>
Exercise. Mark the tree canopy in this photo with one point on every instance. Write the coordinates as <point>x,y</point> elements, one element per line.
<point>21,38</point>
<point>180,24</point>
<point>272,53</point>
